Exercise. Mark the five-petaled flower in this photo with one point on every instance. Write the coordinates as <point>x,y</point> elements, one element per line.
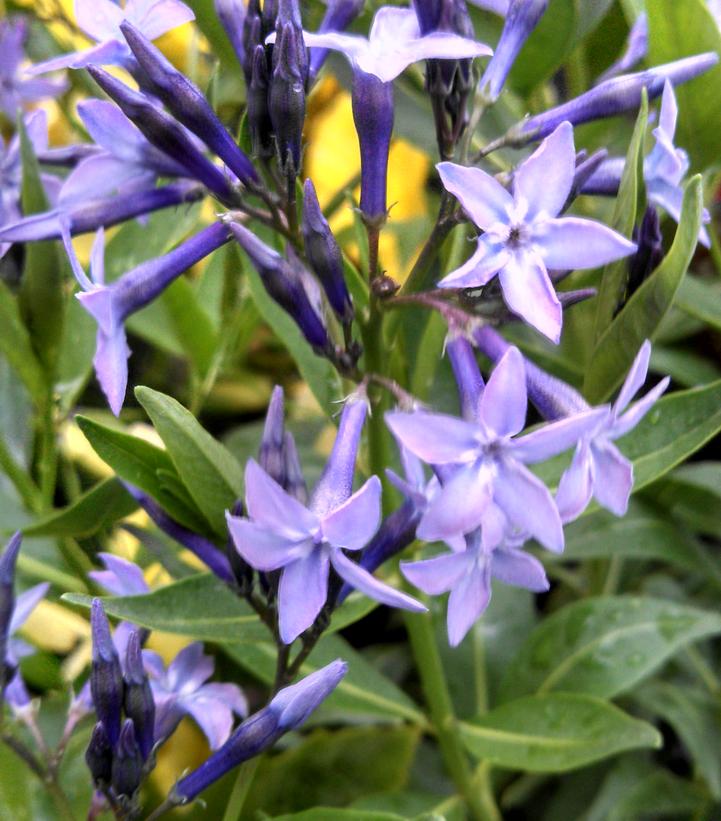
<point>523,236</point>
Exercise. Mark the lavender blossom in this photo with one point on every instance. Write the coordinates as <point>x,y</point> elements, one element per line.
<point>288,710</point>
<point>598,468</point>
<point>231,14</point>
<point>523,236</point>
<point>286,284</point>
<point>8,560</point>
<point>86,217</point>
<point>16,89</point>
<point>394,43</point>
<point>522,17</point>
<point>166,134</point>
<point>281,533</point>
<point>467,574</point>
<point>663,169</point>
<point>487,464</point>
<point>610,97</point>
<point>100,21</point>
<point>111,304</point>
<point>182,690</point>
<point>121,577</point>
<point>187,103</point>
<point>636,49</point>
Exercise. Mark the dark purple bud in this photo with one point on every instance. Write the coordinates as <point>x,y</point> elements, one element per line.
<point>324,254</point>
<point>241,570</point>
<point>205,550</point>
<point>586,167</point>
<point>521,19</point>
<point>467,373</point>
<point>611,97</point>
<point>373,117</point>
<point>396,532</point>
<point>287,711</point>
<point>127,770</point>
<point>336,482</point>
<point>283,283</point>
<point>187,103</point>
<point>8,561</point>
<point>252,38</point>
<point>552,397</point>
<point>269,16</point>
<point>649,240</point>
<point>569,298</point>
<point>606,179</point>
<point>160,129</point>
<point>106,678</point>
<point>231,14</point>
<point>99,756</point>
<point>294,480</point>
<point>88,217</point>
<point>271,455</point>
<point>286,102</point>
<point>139,702</point>
<point>339,14</point>
<point>288,12</point>
<point>261,128</point>
<point>68,156</point>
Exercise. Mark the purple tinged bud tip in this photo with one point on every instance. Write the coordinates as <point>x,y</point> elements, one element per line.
<point>187,103</point>
<point>8,561</point>
<point>139,702</point>
<point>160,129</point>
<point>324,254</point>
<point>271,454</point>
<point>284,284</point>
<point>521,19</point>
<point>294,480</point>
<point>252,38</point>
<point>612,97</point>
<point>286,711</point>
<point>372,101</point>
<point>467,373</point>
<point>269,16</point>
<point>127,769</point>
<point>650,250</point>
<point>261,128</point>
<point>99,756</point>
<point>336,482</point>
<point>106,678</point>
<point>286,102</point>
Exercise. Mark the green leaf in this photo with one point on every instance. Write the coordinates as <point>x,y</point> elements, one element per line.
<point>321,376</point>
<point>333,813</point>
<point>692,493</point>
<point>694,716</point>
<point>603,646</point>
<point>701,299</point>
<point>679,30</point>
<point>333,769</point>
<point>555,732</point>
<point>17,348</point>
<point>659,795</point>
<point>208,470</point>
<point>641,315</point>
<point>639,535</point>
<point>363,693</point>
<point>192,325</point>
<point>628,204</point>
<point>42,300</point>
<point>96,509</point>
<point>201,607</point>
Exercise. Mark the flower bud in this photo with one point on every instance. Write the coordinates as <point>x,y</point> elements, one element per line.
<point>231,14</point>
<point>373,117</point>
<point>127,769</point>
<point>106,678</point>
<point>522,18</point>
<point>165,133</point>
<point>252,38</point>
<point>8,560</point>
<point>269,16</point>
<point>288,710</point>
<point>187,103</point>
<point>294,480</point>
<point>99,756</point>
<point>139,702</point>
<point>261,128</point>
<point>324,255</point>
<point>240,569</point>
<point>271,455</point>
<point>649,240</point>
<point>287,98</point>
<point>283,283</point>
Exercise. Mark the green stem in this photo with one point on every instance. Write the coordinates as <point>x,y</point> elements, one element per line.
<point>26,488</point>
<point>715,246</point>
<point>243,781</point>
<point>421,275</point>
<point>47,456</point>
<point>479,800</point>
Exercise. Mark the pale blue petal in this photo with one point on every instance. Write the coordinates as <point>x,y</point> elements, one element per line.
<point>504,400</point>
<point>25,603</point>
<point>353,523</point>
<point>189,669</point>
<point>156,17</point>
<point>613,478</point>
<point>555,437</point>
<point>483,198</point>
<point>362,580</point>
<point>435,437</point>
<point>468,599</point>
<point>638,410</point>
<point>544,180</point>
<point>99,19</point>
<point>635,378</point>
<point>460,505</point>
<point>485,262</point>
<point>528,292</point>
<point>302,593</point>
<point>520,569</point>
<point>263,548</point>
<point>269,504</point>
<point>111,366</point>
<point>212,709</point>
<point>575,489</point>
<point>568,243</point>
<point>439,574</point>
